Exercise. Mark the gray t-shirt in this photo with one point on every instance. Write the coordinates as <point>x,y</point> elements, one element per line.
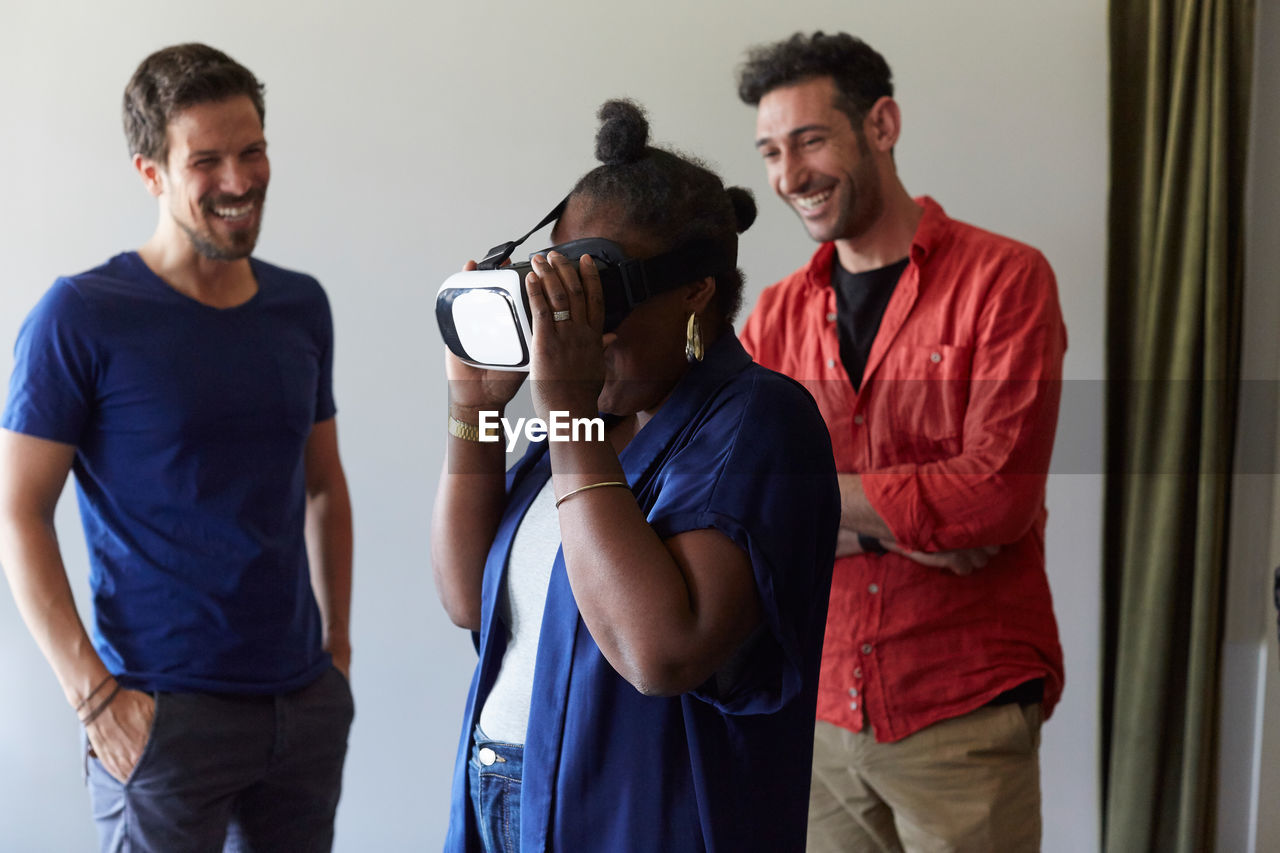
<point>505,715</point>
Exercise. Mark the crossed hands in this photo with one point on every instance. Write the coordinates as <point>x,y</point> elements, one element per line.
<point>962,562</point>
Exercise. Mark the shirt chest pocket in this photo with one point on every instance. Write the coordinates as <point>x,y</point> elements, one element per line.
<point>922,394</point>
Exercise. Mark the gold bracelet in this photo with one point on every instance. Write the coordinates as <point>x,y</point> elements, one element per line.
<point>588,488</point>
<point>463,430</point>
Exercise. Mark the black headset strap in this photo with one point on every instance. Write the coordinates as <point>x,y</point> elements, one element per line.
<point>500,253</point>
<point>642,279</point>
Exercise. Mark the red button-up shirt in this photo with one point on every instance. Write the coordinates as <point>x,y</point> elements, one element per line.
<point>951,434</point>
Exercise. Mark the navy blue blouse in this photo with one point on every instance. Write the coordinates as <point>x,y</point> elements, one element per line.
<point>725,767</point>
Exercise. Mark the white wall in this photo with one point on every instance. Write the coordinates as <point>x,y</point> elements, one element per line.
<point>405,139</point>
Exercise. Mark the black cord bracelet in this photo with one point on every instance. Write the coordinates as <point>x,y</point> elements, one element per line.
<point>93,692</point>
<point>871,545</point>
<point>97,712</point>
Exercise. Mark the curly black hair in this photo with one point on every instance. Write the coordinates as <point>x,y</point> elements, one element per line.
<point>860,74</point>
<point>673,199</point>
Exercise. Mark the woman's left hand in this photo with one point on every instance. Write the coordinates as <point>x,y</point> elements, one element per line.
<point>567,370</point>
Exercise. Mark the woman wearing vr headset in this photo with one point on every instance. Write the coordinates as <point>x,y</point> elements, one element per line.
<point>649,608</point>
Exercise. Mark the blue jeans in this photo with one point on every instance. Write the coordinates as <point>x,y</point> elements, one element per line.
<point>495,771</point>
<point>231,773</point>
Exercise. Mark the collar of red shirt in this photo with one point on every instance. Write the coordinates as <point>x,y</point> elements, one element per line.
<point>933,224</point>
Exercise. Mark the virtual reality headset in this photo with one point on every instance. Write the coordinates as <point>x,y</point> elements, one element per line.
<point>484,314</point>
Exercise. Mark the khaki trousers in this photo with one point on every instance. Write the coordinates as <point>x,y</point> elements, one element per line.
<point>971,783</point>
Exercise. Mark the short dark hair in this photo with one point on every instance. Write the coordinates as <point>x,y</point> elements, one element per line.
<point>173,79</point>
<point>860,74</point>
<point>671,198</point>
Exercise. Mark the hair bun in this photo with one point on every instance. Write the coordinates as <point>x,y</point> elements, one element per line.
<point>744,207</point>
<point>623,134</point>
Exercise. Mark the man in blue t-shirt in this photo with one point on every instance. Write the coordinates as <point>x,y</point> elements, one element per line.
<point>189,386</point>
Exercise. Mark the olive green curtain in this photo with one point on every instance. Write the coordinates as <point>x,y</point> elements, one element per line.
<point>1180,80</point>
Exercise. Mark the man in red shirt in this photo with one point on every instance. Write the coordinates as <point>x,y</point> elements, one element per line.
<point>934,350</point>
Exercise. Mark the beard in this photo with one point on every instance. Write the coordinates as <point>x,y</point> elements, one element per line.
<point>239,244</point>
<point>861,201</point>
<point>862,208</point>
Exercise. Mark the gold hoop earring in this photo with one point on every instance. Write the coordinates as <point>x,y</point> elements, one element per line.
<point>693,349</point>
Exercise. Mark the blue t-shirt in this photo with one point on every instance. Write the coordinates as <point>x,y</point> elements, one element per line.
<point>189,424</point>
<point>726,767</point>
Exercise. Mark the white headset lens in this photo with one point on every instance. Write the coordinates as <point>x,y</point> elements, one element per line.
<point>487,341</point>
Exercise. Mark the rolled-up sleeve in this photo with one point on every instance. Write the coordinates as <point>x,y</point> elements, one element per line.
<point>760,470</point>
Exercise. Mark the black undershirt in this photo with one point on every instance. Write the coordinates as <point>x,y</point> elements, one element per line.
<point>861,298</point>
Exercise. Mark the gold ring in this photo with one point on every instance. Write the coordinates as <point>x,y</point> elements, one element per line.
<point>561,315</point>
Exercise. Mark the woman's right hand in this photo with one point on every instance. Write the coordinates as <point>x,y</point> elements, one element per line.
<point>474,389</point>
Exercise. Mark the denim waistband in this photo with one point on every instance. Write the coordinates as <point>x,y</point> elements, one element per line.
<point>496,757</point>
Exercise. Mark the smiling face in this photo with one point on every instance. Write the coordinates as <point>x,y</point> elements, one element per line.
<point>818,162</point>
<point>644,357</point>
<point>215,181</point>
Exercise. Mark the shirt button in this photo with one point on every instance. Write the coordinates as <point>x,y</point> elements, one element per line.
<point>858,419</point>
<point>831,317</point>
<point>857,672</point>
<point>831,362</point>
<point>936,357</point>
<point>487,756</point>
<point>873,589</point>
<point>853,691</point>
<point>853,705</point>
<point>866,648</point>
